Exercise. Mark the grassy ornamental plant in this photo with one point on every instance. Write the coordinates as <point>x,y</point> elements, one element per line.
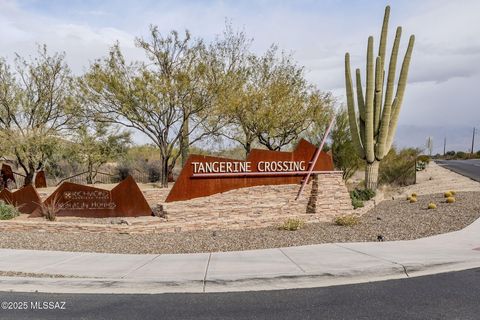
<point>378,106</point>
<point>292,224</point>
<point>346,220</point>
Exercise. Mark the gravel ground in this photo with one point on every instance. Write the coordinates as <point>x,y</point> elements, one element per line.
<point>32,275</point>
<point>393,219</point>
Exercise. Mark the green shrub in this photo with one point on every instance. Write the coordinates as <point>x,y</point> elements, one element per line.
<point>7,211</point>
<point>346,220</point>
<point>362,194</point>
<point>423,158</point>
<point>399,168</point>
<point>461,155</point>
<point>358,196</point>
<point>292,224</point>
<point>357,203</point>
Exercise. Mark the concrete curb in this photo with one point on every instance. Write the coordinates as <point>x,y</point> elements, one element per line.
<point>153,286</point>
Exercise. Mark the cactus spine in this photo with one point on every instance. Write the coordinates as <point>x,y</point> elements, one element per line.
<point>374,129</point>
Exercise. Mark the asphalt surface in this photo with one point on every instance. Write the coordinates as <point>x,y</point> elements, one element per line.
<point>453,295</point>
<point>468,168</point>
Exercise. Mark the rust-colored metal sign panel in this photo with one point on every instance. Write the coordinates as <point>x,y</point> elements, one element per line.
<point>124,200</point>
<point>25,199</point>
<point>40,180</point>
<point>204,175</point>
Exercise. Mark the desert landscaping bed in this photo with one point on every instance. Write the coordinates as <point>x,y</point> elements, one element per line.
<point>392,219</point>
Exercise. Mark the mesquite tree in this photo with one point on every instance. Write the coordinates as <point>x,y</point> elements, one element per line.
<point>378,110</point>
<point>37,109</point>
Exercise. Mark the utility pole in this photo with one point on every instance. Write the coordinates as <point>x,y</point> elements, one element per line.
<point>473,139</point>
<point>444,145</point>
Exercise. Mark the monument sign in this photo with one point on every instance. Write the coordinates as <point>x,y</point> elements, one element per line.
<point>204,175</point>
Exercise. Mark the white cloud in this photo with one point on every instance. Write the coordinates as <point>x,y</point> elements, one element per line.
<point>444,76</point>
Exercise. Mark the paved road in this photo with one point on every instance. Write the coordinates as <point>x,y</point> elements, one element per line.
<point>468,168</point>
<point>453,295</point>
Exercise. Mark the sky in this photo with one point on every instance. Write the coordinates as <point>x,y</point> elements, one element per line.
<point>443,93</point>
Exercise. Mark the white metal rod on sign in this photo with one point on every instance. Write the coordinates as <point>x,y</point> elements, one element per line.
<point>241,174</point>
<point>315,158</point>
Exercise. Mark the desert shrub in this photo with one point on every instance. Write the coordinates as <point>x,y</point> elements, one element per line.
<point>362,194</point>
<point>423,158</point>
<point>413,200</point>
<point>292,224</point>
<point>346,220</point>
<point>358,196</point>
<point>357,203</point>
<point>50,210</point>
<point>461,155</point>
<point>122,171</point>
<point>345,156</point>
<point>447,194</point>
<point>399,168</point>
<point>7,211</point>
<point>432,205</point>
<point>453,192</point>
<point>450,200</point>
<point>153,171</point>
<point>414,194</point>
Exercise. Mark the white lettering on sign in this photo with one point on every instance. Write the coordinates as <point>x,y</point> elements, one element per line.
<point>246,166</point>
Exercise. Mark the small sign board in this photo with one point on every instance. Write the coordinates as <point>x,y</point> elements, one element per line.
<point>124,200</point>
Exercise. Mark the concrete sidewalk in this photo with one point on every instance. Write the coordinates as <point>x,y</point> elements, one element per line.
<point>282,268</point>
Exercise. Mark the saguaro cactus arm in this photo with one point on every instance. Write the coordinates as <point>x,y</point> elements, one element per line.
<point>383,36</point>
<point>361,105</point>
<point>360,98</point>
<point>351,109</point>
<point>378,95</point>
<point>369,99</point>
<point>380,150</point>
<point>402,83</point>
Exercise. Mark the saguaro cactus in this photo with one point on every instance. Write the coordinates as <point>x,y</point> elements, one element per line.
<point>378,110</point>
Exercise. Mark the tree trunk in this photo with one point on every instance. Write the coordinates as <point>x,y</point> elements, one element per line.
<point>90,174</point>
<point>184,142</point>
<point>164,170</point>
<point>248,148</point>
<point>312,201</point>
<point>371,175</point>
<point>29,178</point>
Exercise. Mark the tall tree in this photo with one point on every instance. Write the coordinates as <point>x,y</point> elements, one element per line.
<point>344,155</point>
<point>36,108</point>
<point>271,102</point>
<point>96,144</point>
<point>168,99</point>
